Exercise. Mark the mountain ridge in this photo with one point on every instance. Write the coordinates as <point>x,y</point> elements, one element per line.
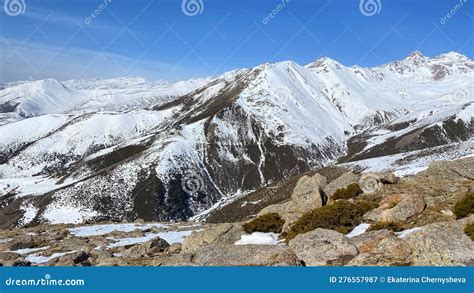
<point>131,150</point>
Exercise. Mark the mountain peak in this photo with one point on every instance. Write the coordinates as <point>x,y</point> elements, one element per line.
<point>324,62</point>
<point>416,54</point>
<point>451,56</point>
<point>416,58</point>
<point>280,66</point>
<point>285,63</point>
<point>45,85</point>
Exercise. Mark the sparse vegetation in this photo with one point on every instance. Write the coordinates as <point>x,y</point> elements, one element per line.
<point>266,223</point>
<point>469,230</point>
<point>341,216</point>
<point>465,206</point>
<point>351,191</point>
<point>394,226</point>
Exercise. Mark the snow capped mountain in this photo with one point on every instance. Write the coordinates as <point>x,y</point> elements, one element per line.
<point>286,97</point>
<point>420,67</point>
<point>357,93</point>
<point>41,97</point>
<point>49,96</point>
<point>132,148</point>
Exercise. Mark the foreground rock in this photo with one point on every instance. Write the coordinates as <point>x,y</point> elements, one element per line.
<point>105,244</point>
<point>245,255</point>
<point>73,244</point>
<point>341,182</point>
<point>388,178</point>
<point>444,182</point>
<point>8,255</point>
<point>27,241</point>
<point>442,244</point>
<point>322,247</point>
<point>388,251</point>
<point>80,258</point>
<point>12,259</point>
<point>306,196</point>
<point>227,233</point>
<point>368,241</point>
<point>149,248</point>
<point>437,240</point>
<point>397,208</point>
<point>471,189</point>
<point>156,245</point>
<point>136,251</point>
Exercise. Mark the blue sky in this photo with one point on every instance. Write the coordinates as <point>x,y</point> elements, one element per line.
<point>157,40</point>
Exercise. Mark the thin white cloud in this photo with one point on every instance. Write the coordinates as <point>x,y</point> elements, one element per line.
<point>31,60</point>
<point>60,18</point>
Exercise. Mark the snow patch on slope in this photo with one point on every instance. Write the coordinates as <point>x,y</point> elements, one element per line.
<point>259,238</point>
<point>103,229</point>
<point>15,135</point>
<point>410,163</point>
<point>56,213</point>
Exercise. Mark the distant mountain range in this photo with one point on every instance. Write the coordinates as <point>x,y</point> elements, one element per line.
<point>127,148</point>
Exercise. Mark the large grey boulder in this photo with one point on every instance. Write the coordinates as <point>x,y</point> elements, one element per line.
<point>323,247</point>
<point>442,244</point>
<point>227,233</point>
<point>173,260</point>
<point>397,208</point>
<point>73,258</point>
<point>110,262</point>
<point>245,255</point>
<point>306,196</point>
<point>100,254</point>
<point>9,259</point>
<point>76,258</point>
<point>368,241</point>
<point>73,243</point>
<point>7,255</point>
<point>136,251</point>
<point>27,241</point>
<point>388,178</point>
<point>156,245</point>
<point>341,182</point>
<point>175,248</point>
<point>471,188</point>
<point>459,168</point>
<point>389,251</point>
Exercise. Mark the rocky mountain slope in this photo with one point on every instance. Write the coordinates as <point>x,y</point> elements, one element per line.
<point>425,219</point>
<point>94,150</point>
